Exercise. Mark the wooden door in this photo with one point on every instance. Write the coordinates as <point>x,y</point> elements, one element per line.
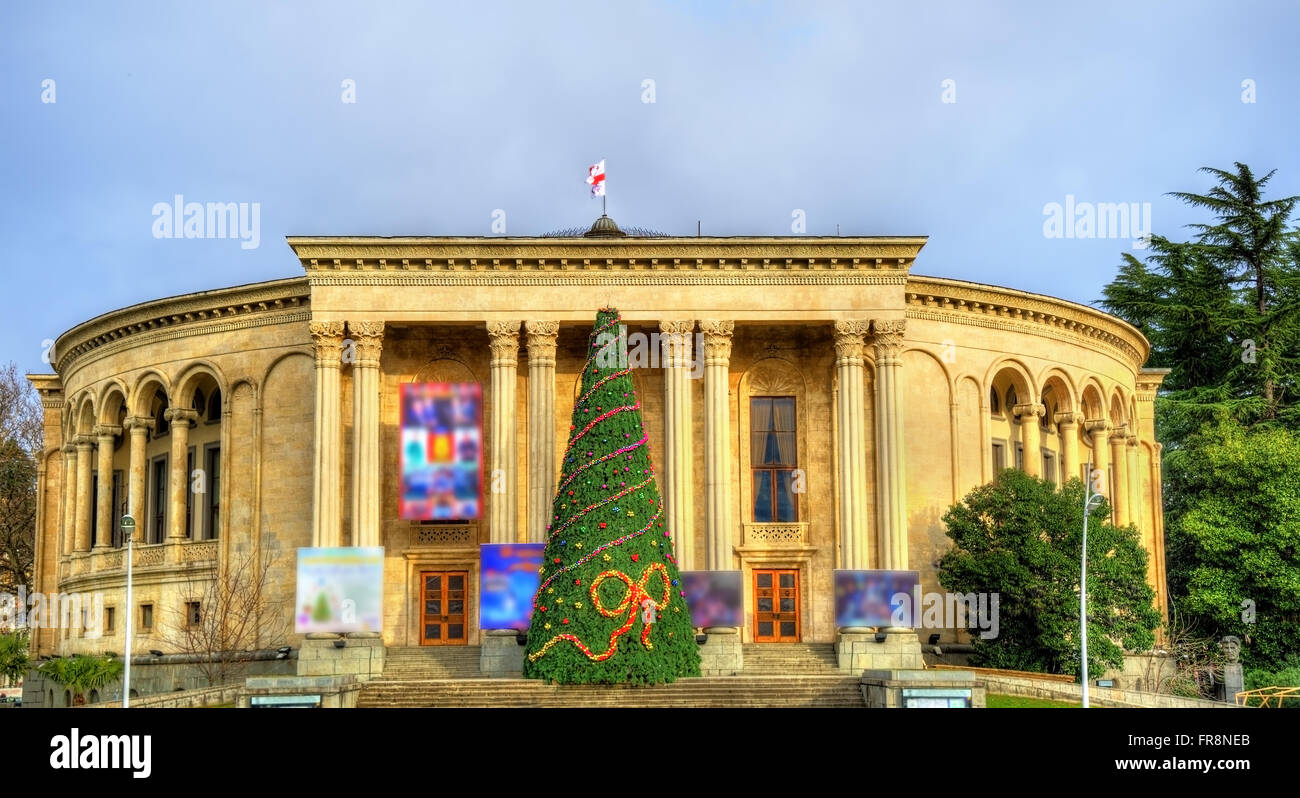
<point>442,603</point>
<point>776,605</point>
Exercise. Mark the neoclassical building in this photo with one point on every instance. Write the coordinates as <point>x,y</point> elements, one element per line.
<point>889,396</point>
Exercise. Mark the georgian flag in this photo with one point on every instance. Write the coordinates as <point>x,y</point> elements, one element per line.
<point>596,177</point>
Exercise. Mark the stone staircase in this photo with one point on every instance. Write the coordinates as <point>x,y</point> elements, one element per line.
<point>716,691</point>
<point>790,658</point>
<point>431,662</point>
<point>775,675</point>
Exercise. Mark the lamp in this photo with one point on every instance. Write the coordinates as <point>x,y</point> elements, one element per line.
<point>340,643</point>
<point>880,637</point>
<point>701,639</point>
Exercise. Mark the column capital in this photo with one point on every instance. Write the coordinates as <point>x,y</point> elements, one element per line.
<point>1095,425</point>
<point>850,340</point>
<point>503,339</point>
<point>1131,440</point>
<point>542,337</point>
<point>677,326</point>
<point>887,338</point>
<point>69,448</point>
<point>1067,418</point>
<point>1119,434</point>
<point>1029,409</point>
<point>181,416</point>
<point>83,442</point>
<point>1160,447</point>
<point>676,341</point>
<point>717,340</point>
<point>135,424</point>
<point>327,339</point>
<point>369,339</point>
<point>110,431</point>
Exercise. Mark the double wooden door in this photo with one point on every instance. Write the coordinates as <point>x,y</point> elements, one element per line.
<point>442,603</point>
<point>776,605</point>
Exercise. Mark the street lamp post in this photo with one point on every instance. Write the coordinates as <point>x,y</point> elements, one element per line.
<point>128,531</point>
<point>1092,498</point>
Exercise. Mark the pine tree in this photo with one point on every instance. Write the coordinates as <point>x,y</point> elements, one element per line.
<point>609,608</point>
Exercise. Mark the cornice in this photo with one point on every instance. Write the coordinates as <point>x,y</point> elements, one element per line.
<point>961,302</point>
<point>474,262</point>
<point>218,310</point>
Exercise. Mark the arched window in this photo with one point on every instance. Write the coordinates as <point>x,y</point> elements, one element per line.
<point>1012,399</point>
<point>214,406</point>
<point>773,458</point>
<point>995,402</point>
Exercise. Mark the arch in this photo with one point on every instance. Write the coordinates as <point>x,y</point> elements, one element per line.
<point>773,375</point>
<point>1090,399</point>
<point>776,377</point>
<point>947,372</point>
<point>198,376</point>
<point>84,415</point>
<point>146,388</point>
<point>1015,372</point>
<point>1118,417</point>
<point>112,403</point>
<point>448,369</point>
<point>1062,386</point>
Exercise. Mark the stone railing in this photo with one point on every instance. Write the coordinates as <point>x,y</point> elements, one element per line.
<point>203,697</point>
<point>445,535</point>
<point>775,534</point>
<point>153,554</point>
<point>199,551</point>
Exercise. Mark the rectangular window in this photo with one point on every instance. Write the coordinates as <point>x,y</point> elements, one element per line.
<point>773,457</point>
<point>158,501</point>
<point>94,509</point>
<point>189,494</point>
<point>110,614</point>
<point>119,507</point>
<point>193,614</point>
<point>1020,456</point>
<point>1049,467</point>
<point>212,499</point>
<point>146,617</point>
<point>999,456</point>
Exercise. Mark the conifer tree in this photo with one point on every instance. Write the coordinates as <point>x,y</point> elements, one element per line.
<point>609,608</point>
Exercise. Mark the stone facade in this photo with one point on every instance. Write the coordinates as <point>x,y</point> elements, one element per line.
<point>909,391</point>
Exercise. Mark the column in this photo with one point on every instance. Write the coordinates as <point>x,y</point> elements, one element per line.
<point>1068,424</point>
<point>70,472</point>
<point>1134,486</point>
<point>327,516</point>
<point>503,339</point>
<point>178,482</point>
<point>542,336</point>
<point>717,449</point>
<point>1028,415</point>
<point>891,466</point>
<point>1099,429</point>
<point>850,423</point>
<point>677,481</point>
<point>1119,464</point>
<point>137,428</point>
<point>366,500</point>
<point>105,434</point>
<point>84,498</point>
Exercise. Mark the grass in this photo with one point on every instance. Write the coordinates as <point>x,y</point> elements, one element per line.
<point>995,701</point>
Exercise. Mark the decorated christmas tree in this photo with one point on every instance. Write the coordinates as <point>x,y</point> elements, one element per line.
<point>609,608</point>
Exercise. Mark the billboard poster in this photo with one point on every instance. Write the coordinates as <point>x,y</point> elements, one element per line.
<point>442,451</point>
<point>508,579</point>
<point>869,598</point>
<point>340,589</point>
<point>715,597</point>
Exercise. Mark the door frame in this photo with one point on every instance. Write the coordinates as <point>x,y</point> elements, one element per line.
<point>420,575</point>
<point>408,609</point>
<point>776,587</point>
<point>800,557</point>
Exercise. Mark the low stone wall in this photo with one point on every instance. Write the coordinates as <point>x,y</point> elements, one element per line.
<point>1101,696</point>
<point>205,697</point>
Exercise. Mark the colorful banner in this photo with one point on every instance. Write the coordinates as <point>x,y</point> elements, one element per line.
<point>442,451</point>
<point>715,597</point>
<point>870,598</point>
<point>340,590</point>
<point>508,579</point>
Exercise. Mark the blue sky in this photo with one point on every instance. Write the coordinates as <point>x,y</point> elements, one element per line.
<point>760,109</point>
